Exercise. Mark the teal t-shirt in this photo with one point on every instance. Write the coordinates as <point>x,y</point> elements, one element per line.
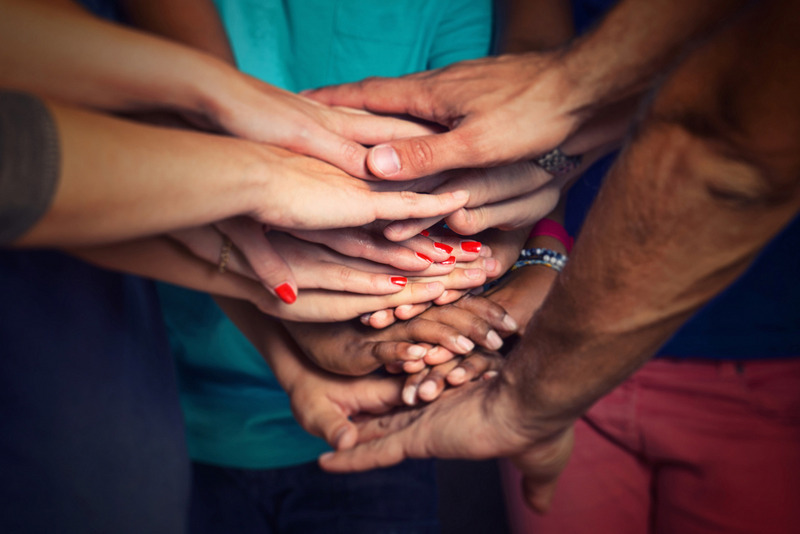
<point>236,413</point>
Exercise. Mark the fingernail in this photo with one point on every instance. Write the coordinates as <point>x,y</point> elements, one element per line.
<point>474,274</point>
<point>286,293</point>
<point>457,374</point>
<point>449,261</point>
<point>510,323</point>
<point>489,375</point>
<point>427,390</point>
<point>470,246</point>
<point>365,319</point>
<point>490,264</point>
<point>399,280</point>
<point>493,340</point>
<point>385,160</point>
<point>445,248</point>
<point>342,431</point>
<point>326,456</point>
<point>424,233</point>
<point>403,308</point>
<point>416,352</point>
<point>410,395</point>
<point>461,195</point>
<point>424,257</point>
<point>464,344</point>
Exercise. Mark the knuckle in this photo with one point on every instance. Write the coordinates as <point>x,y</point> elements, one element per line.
<point>419,154</point>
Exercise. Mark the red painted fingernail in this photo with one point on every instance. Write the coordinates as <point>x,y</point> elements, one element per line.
<point>286,293</point>
<point>471,246</point>
<point>425,233</point>
<point>449,261</point>
<point>424,257</point>
<point>399,280</point>
<point>441,246</point>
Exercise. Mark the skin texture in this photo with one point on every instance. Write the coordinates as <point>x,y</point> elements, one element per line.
<point>486,104</point>
<point>691,179</point>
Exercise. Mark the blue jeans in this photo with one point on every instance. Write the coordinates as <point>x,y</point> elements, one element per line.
<point>304,499</point>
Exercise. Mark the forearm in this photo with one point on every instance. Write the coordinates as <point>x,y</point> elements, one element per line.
<point>682,214</point>
<point>141,180</point>
<point>635,43</point>
<point>161,258</point>
<point>57,50</point>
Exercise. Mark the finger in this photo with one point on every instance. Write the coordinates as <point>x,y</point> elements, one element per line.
<point>271,269</point>
<point>388,352</point>
<point>490,312</point>
<point>402,230</point>
<point>471,367</point>
<point>379,452</point>
<point>459,278</point>
<point>379,95</point>
<point>455,329</point>
<point>411,385</point>
<point>370,129</point>
<point>381,319</point>
<point>405,204</point>
<point>434,382</point>
<point>334,427</point>
<point>344,153</point>
<point>335,277</point>
<point>496,184</point>
<point>438,355</point>
<point>437,333</point>
<point>405,159</point>
<point>409,311</point>
<point>448,297</point>
<point>361,243</point>
<point>506,215</point>
<point>324,306</point>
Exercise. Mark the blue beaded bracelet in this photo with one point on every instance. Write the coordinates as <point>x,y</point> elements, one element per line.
<point>540,256</point>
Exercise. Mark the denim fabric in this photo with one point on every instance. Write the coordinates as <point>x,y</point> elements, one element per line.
<point>304,499</point>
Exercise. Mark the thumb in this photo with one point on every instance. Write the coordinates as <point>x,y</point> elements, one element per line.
<point>334,427</point>
<point>405,159</point>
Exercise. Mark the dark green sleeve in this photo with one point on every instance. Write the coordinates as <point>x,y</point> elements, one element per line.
<point>29,163</point>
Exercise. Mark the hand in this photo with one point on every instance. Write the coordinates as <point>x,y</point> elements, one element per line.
<point>497,110</point>
<point>478,420</point>
<point>415,253</point>
<point>297,192</point>
<point>323,402</point>
<point>426,385</point>
<point>349,348</point>
<point>261,112</point>
<point>271,260</point>
<point>508,197</point>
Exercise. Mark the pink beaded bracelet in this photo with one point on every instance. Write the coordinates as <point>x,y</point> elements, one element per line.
<point>552,229</point>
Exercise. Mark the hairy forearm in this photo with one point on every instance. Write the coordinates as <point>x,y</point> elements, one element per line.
<point>711,178</point>
<point>56,50</point>
<point>636,42</point>
<point>141,180</point>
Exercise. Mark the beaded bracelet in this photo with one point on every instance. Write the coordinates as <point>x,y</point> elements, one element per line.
<point>540,256</point>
